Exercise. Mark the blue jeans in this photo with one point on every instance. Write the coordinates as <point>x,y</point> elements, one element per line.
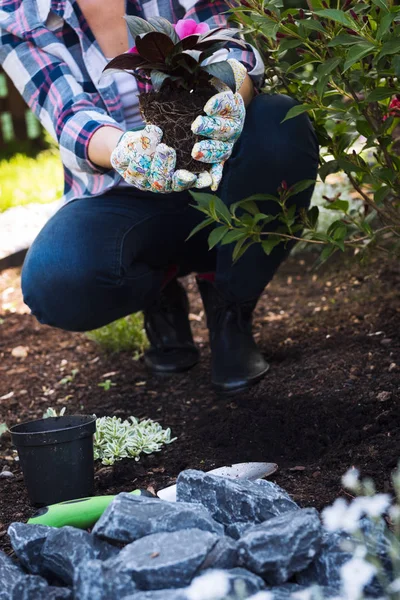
<point>99,259</point>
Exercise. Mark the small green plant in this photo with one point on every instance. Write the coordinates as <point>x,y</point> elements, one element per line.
<point>69,378</point>
<point>3,428</point>
<point>106,385</point>
<point>116,439</point>
<point>51,412</point>
<point>124,335</point>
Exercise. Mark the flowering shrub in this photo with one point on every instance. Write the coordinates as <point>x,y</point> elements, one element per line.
<point>342,65</point>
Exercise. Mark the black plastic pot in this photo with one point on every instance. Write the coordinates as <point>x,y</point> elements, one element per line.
<point>56,456</point>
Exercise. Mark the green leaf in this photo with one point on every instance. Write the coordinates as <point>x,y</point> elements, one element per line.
<point>363,127</point>
<point>384,25</point>
<point>203,199</point>
<point>381,194</point>
<point>312,216</point>
<point>380,93</point>
<point>396,65</point>
<point>233,236</point>
<point>312,25</point>
<point>342,205</point>
<point>200,226</point>
<point>287,44</point>
<point>269,28</point>
<point>327,168</point>
<point>356,53</point>
<point>300,186</point>
<point>344,39</point>
<point>391,47</point>
<point>269,244</point>
<point>336,15</point>
<point>382,4</point>
<point>328,66</point>
<point>137,26</point>
<point>222,210</point>
<point>240,248</point>
<point>216,236</point>
<point>297,110</point>
<point>163,26</point>
<point>349,167</point>
<point>327,252</point>
<point>222,71</point>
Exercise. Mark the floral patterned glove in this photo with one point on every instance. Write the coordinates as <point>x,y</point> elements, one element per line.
<point>147,164</point>
<point>223,124</point>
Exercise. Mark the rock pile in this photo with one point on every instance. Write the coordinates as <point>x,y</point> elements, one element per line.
<point>147,549</point>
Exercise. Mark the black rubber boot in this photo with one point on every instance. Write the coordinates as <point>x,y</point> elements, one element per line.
<point>236,362</point>
<point>172,349</point>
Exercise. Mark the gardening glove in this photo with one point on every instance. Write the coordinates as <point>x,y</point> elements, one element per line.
<point>147,164</point>
<point>223,124</point>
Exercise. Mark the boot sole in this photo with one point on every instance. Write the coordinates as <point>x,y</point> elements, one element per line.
<point>232,390</point>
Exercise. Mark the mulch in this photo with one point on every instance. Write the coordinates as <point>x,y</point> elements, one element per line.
<point>330,401</point>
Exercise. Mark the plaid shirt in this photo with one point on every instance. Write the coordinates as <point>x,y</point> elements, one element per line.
<point>51,55</point>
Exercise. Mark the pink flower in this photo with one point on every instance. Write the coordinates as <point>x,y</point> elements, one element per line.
<point>133,50</point>
<point>394,108</point>
<point>186,27</point>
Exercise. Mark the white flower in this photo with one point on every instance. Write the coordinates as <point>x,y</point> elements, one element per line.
<point>350,479</point>
<point>373,506</point>
<point>394,587</point>
<point>210,586</point>
<point>394,512</point>
<point>356,574</point>
<point>262,596</point>
<point>342,516</point>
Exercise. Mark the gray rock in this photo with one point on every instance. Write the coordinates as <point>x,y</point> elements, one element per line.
<point>27,542</point>
<point>223,555</point>
<point>325,568</point>
<point>33,587</point>
<point>10,573</point>
<point>165,560</point>
<point>284,592</point>
<point>94,581</point>
<point>242,582</point>
<point>232,500</point>
<point>65,549</point>
<point>159,595</point>
<point>280,547</point>
<point>336,550</point>
<point>236,530</point>
<point>129,518</point>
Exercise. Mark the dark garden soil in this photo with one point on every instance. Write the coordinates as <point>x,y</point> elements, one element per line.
<point>331,399</point>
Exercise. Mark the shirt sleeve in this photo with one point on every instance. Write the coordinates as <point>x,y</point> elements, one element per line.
<point>64,109</point>
<point>214,14</point>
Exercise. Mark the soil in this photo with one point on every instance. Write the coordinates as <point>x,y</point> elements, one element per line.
<point>330,401</point>
<point>174,111</point>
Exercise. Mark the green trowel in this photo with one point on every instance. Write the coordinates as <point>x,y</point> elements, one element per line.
<point>84,512</point>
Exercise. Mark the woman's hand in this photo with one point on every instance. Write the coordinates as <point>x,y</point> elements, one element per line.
<point>147,164</point>
<point>223,124</point>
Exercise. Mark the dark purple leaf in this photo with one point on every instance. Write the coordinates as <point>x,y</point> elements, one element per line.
<point>189,42</point>
<point>186,61</point>
<point>127,61</point>
<point>154,46</point>
<point>157,79</point>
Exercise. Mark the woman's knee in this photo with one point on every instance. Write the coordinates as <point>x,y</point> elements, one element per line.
<point>265,123</point>
<point>56,294</point>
